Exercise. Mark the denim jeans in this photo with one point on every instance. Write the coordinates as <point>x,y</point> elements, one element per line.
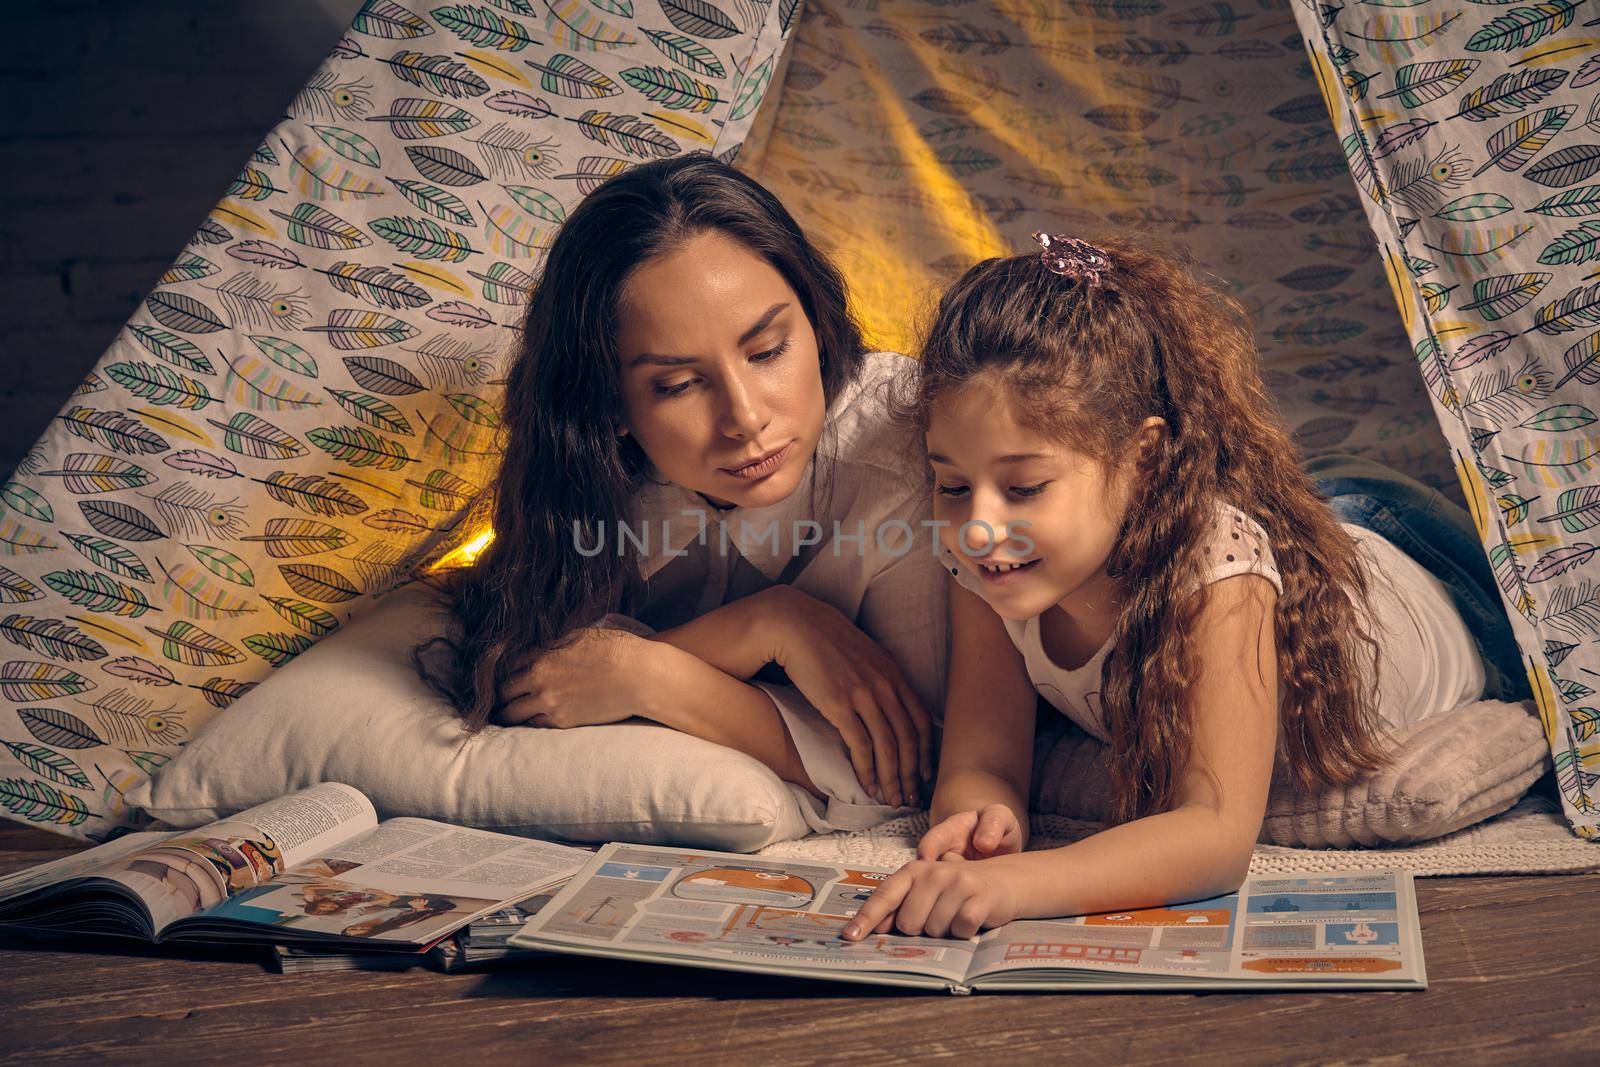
<point>1425,525</point>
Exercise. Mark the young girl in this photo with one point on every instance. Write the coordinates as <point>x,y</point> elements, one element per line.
<point>1130,537</point>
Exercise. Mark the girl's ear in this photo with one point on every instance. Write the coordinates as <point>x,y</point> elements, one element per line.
<point>1151,435</point>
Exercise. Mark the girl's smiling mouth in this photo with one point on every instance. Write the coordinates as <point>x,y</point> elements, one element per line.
<point>999,573</point>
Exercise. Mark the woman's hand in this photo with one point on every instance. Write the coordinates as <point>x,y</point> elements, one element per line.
<point>938,898</point>
<point>973,835</point>
<point>857,687</point>
<point>601,677</point>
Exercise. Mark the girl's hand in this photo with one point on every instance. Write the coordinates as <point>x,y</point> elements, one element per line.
<point>938,898</point>
<point>857,687</point>
<point>973,835</point>
<point>599,678</point>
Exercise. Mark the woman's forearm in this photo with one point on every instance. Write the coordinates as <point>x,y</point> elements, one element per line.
<point>699,699</point>
<point>732,638</point>
<point>971,790</point>
<point>1180,855</point>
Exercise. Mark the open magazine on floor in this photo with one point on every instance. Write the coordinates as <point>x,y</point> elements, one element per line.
<point>314,867</point>
<point>482,941</point>
<point>725,910</point>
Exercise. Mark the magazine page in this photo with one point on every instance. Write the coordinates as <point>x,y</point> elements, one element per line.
<point>406,882</point>
<point>741,912</point>
<point>175,875</point>
<point>70,868</point>
<point>1347,926</point>
<point>1193,938</point>
<point>1340,928</point>
<point>193,870</point>
<point>494,929</point>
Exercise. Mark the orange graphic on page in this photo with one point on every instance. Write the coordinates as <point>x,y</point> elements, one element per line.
<point>744,885</point>
<point>1322,964</point>
<point>1163,917</point>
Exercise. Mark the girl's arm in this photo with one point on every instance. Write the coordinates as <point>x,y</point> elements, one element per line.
<point>1202,847</point>
<point>987,753</point>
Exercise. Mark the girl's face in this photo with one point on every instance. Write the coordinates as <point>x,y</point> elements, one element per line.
<point>720,368</point>
<point>989,469</point>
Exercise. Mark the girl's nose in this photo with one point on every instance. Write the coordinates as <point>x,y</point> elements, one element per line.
<point>982,529</point>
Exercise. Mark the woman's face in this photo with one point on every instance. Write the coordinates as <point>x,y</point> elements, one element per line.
<point>719,368</point>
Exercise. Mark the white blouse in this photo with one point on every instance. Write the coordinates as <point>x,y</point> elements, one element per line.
<point>1428,659</point>
<point>881,570</point>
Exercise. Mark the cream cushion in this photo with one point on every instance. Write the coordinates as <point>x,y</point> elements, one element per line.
<point>1452,770</point>
<point>352,709</point>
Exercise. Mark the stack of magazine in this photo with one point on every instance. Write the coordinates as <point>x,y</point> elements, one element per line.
<point>316,876</point>
<point>484,940</point>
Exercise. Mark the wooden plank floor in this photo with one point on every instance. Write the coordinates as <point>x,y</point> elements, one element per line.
<point>1511,963</point>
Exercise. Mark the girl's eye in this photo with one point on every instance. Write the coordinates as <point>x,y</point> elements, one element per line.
<point>1029,490</point>
<point>773,353</point>
<point>950,490</point>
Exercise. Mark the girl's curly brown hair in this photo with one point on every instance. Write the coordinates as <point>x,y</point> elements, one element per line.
<point>1086,365</point>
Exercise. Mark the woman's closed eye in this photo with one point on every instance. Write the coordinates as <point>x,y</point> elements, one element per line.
<point>773,353</point>
<point>768,356</point>
<point>675,388</point>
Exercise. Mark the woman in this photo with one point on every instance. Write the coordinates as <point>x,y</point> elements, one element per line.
<point>411,911</point>
<point>699,478</point>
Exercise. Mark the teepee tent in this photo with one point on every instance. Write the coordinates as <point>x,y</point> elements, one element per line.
<point>306,401</point>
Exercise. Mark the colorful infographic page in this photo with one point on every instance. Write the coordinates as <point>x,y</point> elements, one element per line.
<point>658,900</point>
<point>785,916</point>
<point>1358,925</point>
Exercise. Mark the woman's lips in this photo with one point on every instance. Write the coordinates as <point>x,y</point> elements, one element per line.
<point>762,468</point>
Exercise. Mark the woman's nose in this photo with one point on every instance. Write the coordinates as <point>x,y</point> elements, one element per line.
<point>746,412</point>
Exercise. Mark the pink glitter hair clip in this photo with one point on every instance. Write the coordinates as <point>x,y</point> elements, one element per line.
<point>1072,258</point>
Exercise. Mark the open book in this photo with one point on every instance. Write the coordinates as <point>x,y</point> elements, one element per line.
<point>313,867</point>
<point>724,910</point>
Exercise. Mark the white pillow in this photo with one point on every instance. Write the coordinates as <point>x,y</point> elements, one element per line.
<point>1452,770</point>
<point>352,709</point>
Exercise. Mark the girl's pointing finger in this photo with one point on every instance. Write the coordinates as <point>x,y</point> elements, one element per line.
<point>882,903</point>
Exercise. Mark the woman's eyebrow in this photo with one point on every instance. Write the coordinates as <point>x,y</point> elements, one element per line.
<point>672,361</point>
<point>763,322</point>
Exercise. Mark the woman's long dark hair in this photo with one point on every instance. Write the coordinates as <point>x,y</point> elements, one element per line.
<point>1085,366</point>
<point>563,466</point>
